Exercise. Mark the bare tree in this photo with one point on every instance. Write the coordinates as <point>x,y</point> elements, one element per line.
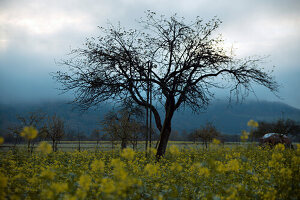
<point>31,119</point>
<point>286,127</point>
<point>186,61</point>
<point>122,126</point>
<point>95,135</point>
<point>207,133</point>
<point>55,130</point>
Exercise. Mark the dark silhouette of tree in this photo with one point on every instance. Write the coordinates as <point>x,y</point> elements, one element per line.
<point>193,136</point>
<point>31,119</point>
<point>185,60</point>
<point>286,127</point>
<point>95,135</point>
<point>124,124</point>
<point>55,130</point>
<point>207,133</point>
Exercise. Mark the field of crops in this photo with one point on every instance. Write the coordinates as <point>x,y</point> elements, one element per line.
<point>238,172</point>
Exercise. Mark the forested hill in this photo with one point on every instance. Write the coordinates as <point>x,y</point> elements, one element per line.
<point>229,119</point>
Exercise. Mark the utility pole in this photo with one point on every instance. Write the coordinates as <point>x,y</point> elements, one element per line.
<point>150,132</point>
<point>147,110</point>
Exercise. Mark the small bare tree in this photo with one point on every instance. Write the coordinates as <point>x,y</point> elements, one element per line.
<point>121,126</point>
<point>55,130</point>
<point>207,133</point>
<point>96,135</point>
<point>31,119</point>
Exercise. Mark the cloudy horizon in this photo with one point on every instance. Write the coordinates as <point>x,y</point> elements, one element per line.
<point>34,34</point>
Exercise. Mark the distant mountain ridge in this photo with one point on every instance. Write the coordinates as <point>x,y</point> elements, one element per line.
<point>228,118</point>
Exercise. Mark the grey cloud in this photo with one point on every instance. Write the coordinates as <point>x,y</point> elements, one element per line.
<point>29,58</point>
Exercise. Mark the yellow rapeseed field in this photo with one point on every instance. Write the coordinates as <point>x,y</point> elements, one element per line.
<point>241,172</point>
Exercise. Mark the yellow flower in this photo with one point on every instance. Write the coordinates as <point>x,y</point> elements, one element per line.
<point>244,136</point>
<point>59,187</point>
<point>107,185</point>
<point>3,181</point>
<point>1,140</point>
<point>69,197</point>
<point>29,132</point>
<point>277,156</point>
<point>270,195</point>
<point>116,162</point>
<point>160,197</point>
<point>220,166</point>
<point>44,147</point>
<point>153,151</point>
<point>279,147</point>
<point>85,182</point>
<point>48,174</point>
<point>47,194</point>
<point>296,160</point>
<point>80,193</point>
<point>233,192</point>
<point>216,141</point>
<point>98,166</point>
<point>252,123</point>
<point>151,170</point>
<point>174,150</point>
<point>120,173</point>
<point>298,148</point>
<point>286,173</point>
<point>203,171</point>
<point>233,165</point>
<point>176,167</point>
<point>128,153</point>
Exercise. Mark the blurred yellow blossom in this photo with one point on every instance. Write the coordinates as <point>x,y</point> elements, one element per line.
<point>59,187</point>
<point>280,147</point>
<point>1,140</point>
<point>152,150</point>
<point>48,174</point>
<point>116,162</point>
<point>85,182</point>
<point>44,147</point>
<point>252,123</point>
<point>203,171</point>
<point>174,150</point>
<point>151,169</point>
<point>216,141</point>
<point>81,193</point>
<point>47,194</point>
<point>98,166</point>
<point>29,132</point>
<point>233,165</point>
<point>277,156</point>
<point>270,195</point>
<point>3,180</point>
<point>120,173</point>
<point>286,173</point>
<point>128,153</point>
<point>176,167</point>
<point>107,185</point>
<point>244,136</point>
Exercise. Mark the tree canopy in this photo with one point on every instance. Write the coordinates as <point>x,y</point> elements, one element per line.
<point>181,61</point>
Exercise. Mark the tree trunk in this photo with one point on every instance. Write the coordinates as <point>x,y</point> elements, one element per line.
<point>53,145</point>
<point>164,135</point>
<point>123,143</point>
<point>28,146</point>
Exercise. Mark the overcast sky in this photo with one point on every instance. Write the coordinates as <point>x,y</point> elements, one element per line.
<point>35,33</point>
